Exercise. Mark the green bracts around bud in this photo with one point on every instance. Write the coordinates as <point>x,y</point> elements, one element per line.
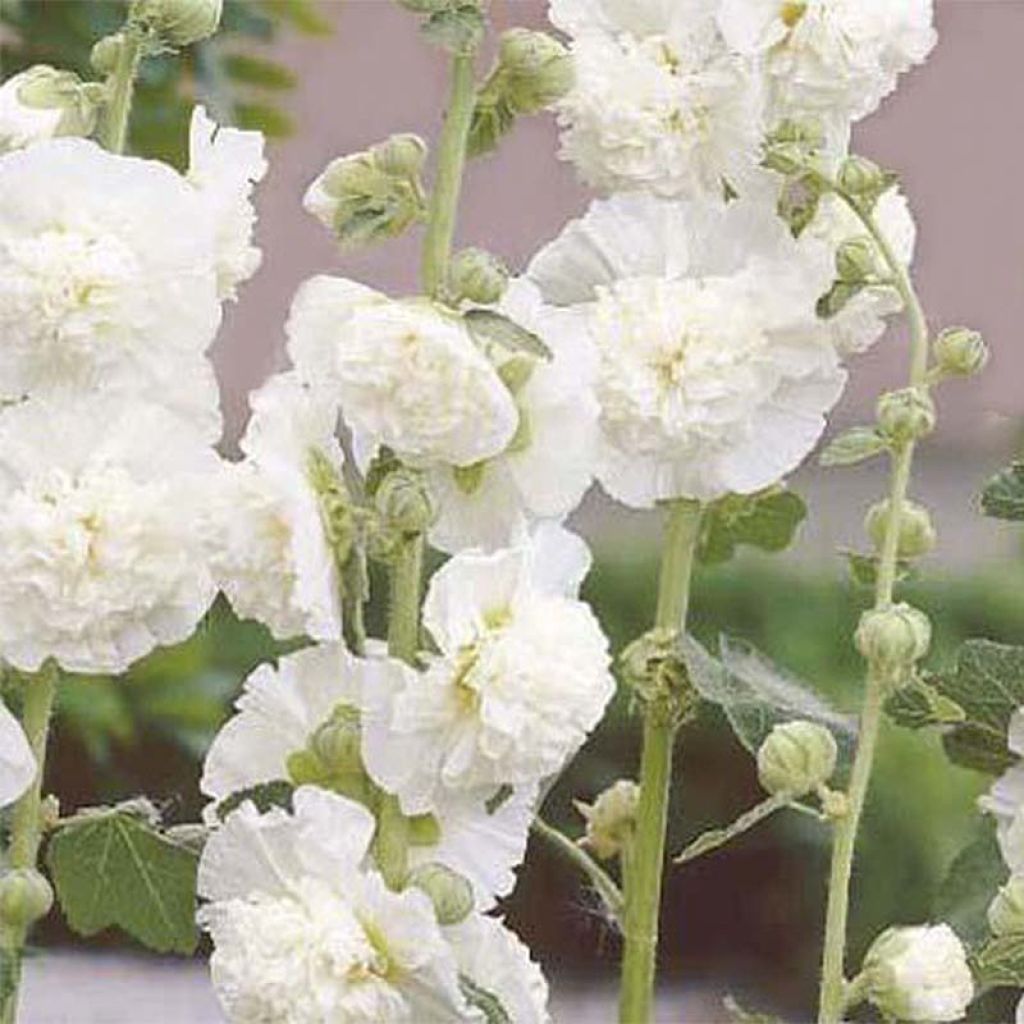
<point>916,533</point>
<point>179,22</point>
<point>42,102</point>
<point>478,277</point>
<point>906,415</point>
<point>1006,911</point>
<point>960,352</point>
<point>25,897</point>
<point>403,502</point>
<point>857,261</point>
<point>796,758</point>
<point>892,640</point>
<point>611,819</point>
<point>450,892</point>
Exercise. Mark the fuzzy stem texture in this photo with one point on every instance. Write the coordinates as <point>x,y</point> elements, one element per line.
<point>114,129</point>
<point>26,828</point>
<point>833,999</point>
<point>644,866</point>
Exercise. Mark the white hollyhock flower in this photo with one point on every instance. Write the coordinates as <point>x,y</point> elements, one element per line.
<point>522,677</point>
<point>224,165</point>
<point>714,372</point>
<point>659,103</point>
<point>100,559</point>
<point>919,974</point>
<point>1005,800</point>
<point>495,958</point>
<point>406,372</point>
<point>108,279</point>
<point>549,464</point>
<point>284,711</point>
<point>17,762</point>
<point>832,59</point>
<point>264,531</point>
<point>303,933</point>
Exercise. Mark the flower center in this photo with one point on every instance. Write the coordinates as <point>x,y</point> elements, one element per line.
<point>792,12</point>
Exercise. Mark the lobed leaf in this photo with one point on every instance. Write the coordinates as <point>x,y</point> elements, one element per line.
<point>973,878</point>
<point>113,867</point>
<point>853,446</point>
<point>1003,497</point>
<point>767,520</point>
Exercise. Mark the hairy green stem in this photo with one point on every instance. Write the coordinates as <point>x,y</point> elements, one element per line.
<point>114,129</point>
<point>26,827</point>
<point>441,214</point>
<point>645,864</point>
<point>833,998</point>
<point>603,883</point>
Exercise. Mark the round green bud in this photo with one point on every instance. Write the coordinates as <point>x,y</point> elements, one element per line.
<point>337,742</point>
<point>403,502</point>
<point>906,415</point>
<point>611,818</point>
<point>857,260</point>
<point>892,639</point>
<point>25,897</point>
<point>916,533</point>
<point>860,176</point>
<point>536,69</point>
<point>1006,911</point>
<point>960,352</point>
<point>401,156</point>
<point>477,276</point>
<point>105,54</point>
<point>44,88</point>
<point>180,22</point>
<point>796,758</point>
<point>451,894</point>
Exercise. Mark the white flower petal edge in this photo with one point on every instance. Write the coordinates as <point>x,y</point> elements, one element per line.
<point>549,465</point>
<point>109,281</point>
<point>224,166</point>
<point>303,933</point>
<point>17,762</point>
<point>522,678</point>
<point>278,712</point>
<point>264,531</point>
<point>100,556</point>
<point>714,372</point>
<point>1005,800</point>
<point>406,372</point>
<point>496,959</point>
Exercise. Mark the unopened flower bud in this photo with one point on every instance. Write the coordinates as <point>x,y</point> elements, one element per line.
<point>919,974</point>
<point>477,276</point>
<point>960,351</point>
<point>857,260</point>
<point>180,22</point>
<point>860,176</point>
<point>403,501</point>
<point>41,103</point>
<point>906,415</point>
<point>892,639</point>
<point>337,742</point>
<point>400,155</point>
<point>611,818</point>
<point>1006,911</point>
<point>106,53</point>
<point>450,892</point>
<point>25,897</point>
<point>916,533</point>
<point>536,68</point>
<point>796,758</point>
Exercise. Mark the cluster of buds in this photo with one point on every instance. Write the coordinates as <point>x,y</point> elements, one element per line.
<point>892,640</point>
<point>373,194</point>
<point>176,23</point>
<point>611,819</point>
<point>960,352</point>
<point>654,667</point>
<point>906,415</point>
<point>534,71</point>
<point>915,532</point>
<point>478,277</point>
<point>42,103</point>
<point>796,758</point>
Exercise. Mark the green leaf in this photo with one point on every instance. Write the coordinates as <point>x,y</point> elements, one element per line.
<point>488,326</point>
<point>1000,963</point>
<point>483,1000</point>
<point>973,878</point>
<point>274,123</point>
<point>718,837</point>
<point>266,74</point>
<point>864,568</point>
<point>1003,497</point>
<point>767,520</point>
<point>920,704</point>
<point>302,15</point>
<point>756,695</point>
<point>853,446</point>
<point>492,119</point>
<point>458,28</point>
<point>264,795</point>
<point>113,867</point>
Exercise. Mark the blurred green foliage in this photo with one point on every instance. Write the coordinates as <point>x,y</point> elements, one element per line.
<point>240,85</point>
